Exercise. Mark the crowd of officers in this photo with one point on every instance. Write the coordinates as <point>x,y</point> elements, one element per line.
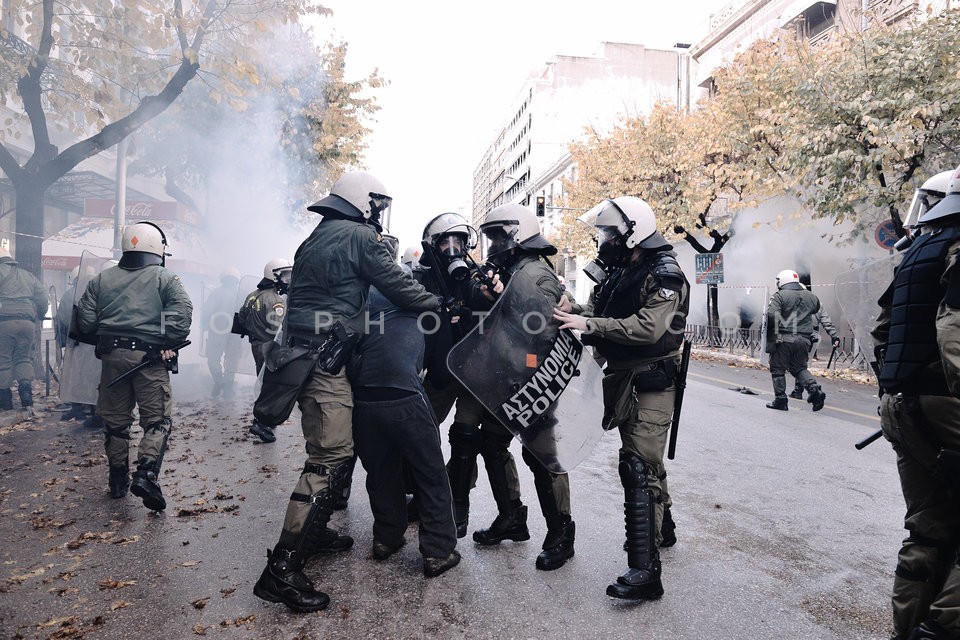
<point>387,403</point>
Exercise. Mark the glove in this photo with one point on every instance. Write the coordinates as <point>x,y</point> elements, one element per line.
<point>836,342</point>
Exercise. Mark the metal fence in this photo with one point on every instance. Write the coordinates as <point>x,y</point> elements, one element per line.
<point>750,342</point>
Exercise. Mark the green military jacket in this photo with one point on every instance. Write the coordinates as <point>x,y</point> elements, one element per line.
<point>22,296</point>
<point>792,312</point>
<point>332,273</point>
<point>647,326</point>
<point>262,314</point>
<point>148,303</point>
<point>536,270</point>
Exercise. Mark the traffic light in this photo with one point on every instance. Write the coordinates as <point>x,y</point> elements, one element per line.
<point>541,206</point>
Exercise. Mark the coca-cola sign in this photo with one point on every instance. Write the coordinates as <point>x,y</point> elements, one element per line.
<point>59,263</point>
<point>140,210</point>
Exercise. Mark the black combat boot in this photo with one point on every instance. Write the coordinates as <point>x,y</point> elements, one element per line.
<point>433,567</point>
<point>641,580</point>
<point>511,525</point>
<point>930,631</point>
<point>145,486</point>
<point>797,393</point>
<point>558,544</point>
<point>25,390</point>
<point>638,584</point>
<point>283,581</point>
<point>262,431</point>
<point>816,397</point>
<point>119,481</point>
<point>668,530</point>
<point>330,541</point>
<point>780,404</point>
<point>6,400</point>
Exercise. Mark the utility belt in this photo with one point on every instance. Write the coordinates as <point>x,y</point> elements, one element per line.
<point>333,349</point>
<point>106,344</point>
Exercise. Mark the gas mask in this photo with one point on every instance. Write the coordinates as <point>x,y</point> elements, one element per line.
<point>282,277</point>
<point>611,252</point>
<point>501,239</point>
<point>452,248</point>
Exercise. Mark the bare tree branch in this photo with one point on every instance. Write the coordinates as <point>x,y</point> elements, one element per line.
<point>29,89</point>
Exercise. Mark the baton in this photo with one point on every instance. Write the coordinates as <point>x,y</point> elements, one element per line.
<point>869,439</point>
<point>681,385</point>
<point>833,352</point>
<point>147,361</point>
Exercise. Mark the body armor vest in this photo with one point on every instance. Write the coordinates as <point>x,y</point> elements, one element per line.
<point>625,293</point>
<point>915,295</point>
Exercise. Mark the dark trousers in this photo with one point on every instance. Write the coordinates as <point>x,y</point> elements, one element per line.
<point>389,436</point>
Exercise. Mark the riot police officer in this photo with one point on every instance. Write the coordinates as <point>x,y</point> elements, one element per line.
<point>23,302</point>
<point>218,311</point>
<point>326,304</point>
<point>447,239</point>
<point>916,337</point>
<point>635,320</point>
<point>790,321</point>
<point>262,312</point>
<point>136,309</point>
<point>519,252</point>
<point>820,319</point>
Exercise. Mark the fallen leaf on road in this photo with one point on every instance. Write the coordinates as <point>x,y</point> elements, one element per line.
<point>201,603</point>
<point>110,583</point>
<point>119,604</point>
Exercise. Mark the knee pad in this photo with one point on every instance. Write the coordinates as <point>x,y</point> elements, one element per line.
<point>633,471</point>
<point>495,443</point>
<point>466,437</point>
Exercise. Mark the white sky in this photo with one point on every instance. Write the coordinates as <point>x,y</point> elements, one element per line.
<point>455,69</point>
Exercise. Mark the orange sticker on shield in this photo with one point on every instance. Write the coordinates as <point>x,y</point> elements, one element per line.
<point>532,360</point>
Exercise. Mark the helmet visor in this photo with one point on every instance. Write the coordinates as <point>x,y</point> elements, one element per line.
<point>501,236</point>
<point>380,206</point>
<point>922,202</point>
<point>452,245</point>
<point>282,274</point>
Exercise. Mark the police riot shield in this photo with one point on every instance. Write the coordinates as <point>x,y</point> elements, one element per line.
<point>538,381</point>
<point>80,374</point>
<point>243,363</point>
<point>858,291</point>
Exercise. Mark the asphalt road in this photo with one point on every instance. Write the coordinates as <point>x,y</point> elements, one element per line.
<point>785,531</point>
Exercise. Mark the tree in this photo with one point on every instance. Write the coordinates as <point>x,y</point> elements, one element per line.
<point>296,123</point>
<point>117,66</point>
<point>865,116</point>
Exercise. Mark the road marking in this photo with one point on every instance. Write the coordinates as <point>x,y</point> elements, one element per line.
<point>837,409</point>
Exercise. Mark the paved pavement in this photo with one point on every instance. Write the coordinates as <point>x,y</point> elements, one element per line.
<point>785,531</point>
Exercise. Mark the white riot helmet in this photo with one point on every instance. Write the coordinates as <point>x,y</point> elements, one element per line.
<point>411,257</point>
<point>143,244</point>
<point>513,226</point>
<point>360,195</point>
<point>949,206</point>
<point>786,277</point>
<point>273,269</point>
<point>621,224</point>
<point>450,237</point>
<point>926,197</point>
